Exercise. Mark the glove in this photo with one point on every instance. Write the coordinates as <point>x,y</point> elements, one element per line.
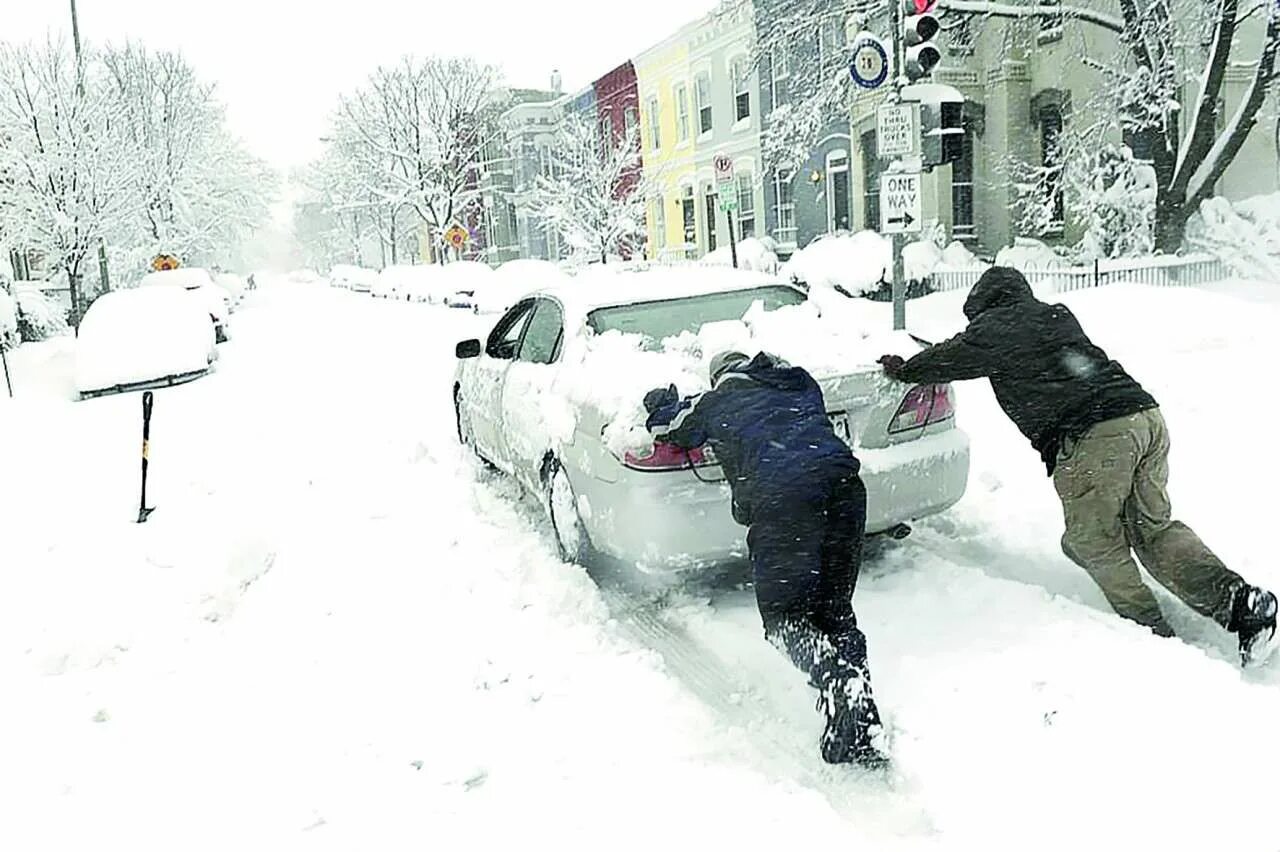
<point>892,364</point>
<point>661,398</point>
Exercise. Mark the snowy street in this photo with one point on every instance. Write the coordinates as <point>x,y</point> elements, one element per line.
<point>339,631</point>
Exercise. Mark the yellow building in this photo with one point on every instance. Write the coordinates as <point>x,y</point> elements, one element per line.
<point>667,133</point>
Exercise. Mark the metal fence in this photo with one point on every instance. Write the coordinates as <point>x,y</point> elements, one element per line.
<point>1188,271</point>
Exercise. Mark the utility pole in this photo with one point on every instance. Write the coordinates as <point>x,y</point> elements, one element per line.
<point>899,240</point>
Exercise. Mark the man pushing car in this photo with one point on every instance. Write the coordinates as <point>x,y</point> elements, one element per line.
<point>796,488</point>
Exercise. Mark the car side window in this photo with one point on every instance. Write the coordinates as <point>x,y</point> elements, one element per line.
<point>505,338</point>
<point>544,334</point>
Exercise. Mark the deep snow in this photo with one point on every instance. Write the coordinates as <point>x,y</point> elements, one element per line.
<point>339,631</point>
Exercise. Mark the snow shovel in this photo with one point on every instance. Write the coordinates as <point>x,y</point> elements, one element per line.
<point>143,511</point>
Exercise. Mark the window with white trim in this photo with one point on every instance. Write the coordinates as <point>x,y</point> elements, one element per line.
<point>746,206</point>
<point>655,124</point>
<point>682,113</point>
<point>702,92</point>
<point>741,89</point>
<point>779,74</point>
<point>784,206</point>
<point>659,225</point>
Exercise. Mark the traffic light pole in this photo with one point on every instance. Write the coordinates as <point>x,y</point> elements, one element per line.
<point>899,240</point>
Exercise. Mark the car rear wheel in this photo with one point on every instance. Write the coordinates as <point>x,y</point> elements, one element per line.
<point>562,508</point>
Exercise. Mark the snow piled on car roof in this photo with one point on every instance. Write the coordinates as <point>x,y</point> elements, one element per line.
<point>830,335</point>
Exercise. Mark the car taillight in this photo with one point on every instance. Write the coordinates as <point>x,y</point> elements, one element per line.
<point>923,406</point>
<point>669,457</point>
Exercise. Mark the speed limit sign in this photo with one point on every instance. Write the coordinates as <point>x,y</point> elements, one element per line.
<point>870,64</point>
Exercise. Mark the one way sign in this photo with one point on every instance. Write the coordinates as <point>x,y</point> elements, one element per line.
<point>900,206</point>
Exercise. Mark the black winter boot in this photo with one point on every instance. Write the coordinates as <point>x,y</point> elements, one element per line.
<point>853,731</point>
<point>1253,620</point>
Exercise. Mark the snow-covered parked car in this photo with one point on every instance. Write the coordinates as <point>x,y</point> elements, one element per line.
<point>554,396</point>
<point>201,287</point>
<point>233,285</point>
<point>411,283</point>
<point>354,278</point>
<point>473,286</point>
<point>142,338</point>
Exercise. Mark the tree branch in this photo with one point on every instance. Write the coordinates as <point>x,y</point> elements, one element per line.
<point>1200,139</point>
<point>1246,115</point>
<point>990,9</point>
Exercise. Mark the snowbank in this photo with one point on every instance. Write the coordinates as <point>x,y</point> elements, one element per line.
<point>858,263</point>
<point>528,274</point>
<point>753,254</point>
<point>8,321</point>
<point>1026,253</point>
<point>42,315</point>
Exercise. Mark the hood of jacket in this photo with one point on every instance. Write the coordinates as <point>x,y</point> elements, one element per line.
<point>999,287</point>
<point>768,370</point>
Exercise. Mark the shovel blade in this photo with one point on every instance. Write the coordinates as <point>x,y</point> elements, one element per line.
<point>143,514</point>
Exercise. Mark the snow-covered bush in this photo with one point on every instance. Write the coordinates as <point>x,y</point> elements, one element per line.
<point>753,254</point>
<point>39,317</point>
<point>8,321</point>
<point>1245,235</point>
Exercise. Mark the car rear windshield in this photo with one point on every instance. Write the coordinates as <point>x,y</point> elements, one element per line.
<point>671,317</point>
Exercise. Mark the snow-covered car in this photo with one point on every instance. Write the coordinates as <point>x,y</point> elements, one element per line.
<point>142,338</point>
<point>354,278</point>
<point>554,395</point>
<point>473,286</point>
<point>201,287</point>
<point>412,283</point>
<point>233,285</point>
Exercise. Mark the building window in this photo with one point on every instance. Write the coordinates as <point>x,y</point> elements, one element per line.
<point>784,207</point>
<point>746,207</point>
<point>1050,25</point>
<point>606,133</point>
<point>631,120</point>
<point>741,89</point>
<point>682,112</point>
<point>702,91</point>
<point>870,182</point>
<point>655,125</point>
<point>838,191</point>
<point>1051,160</point>
<point>962,191</point>
<point>829,40</point>
<point>779,74</point>
<point>659,225</point>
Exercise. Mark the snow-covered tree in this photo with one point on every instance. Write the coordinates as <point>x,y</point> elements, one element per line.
<point>198,193</point>
<point>1153,59</point>
<point>595,195</point>
<point>416,132</point>
<point>65,157</point>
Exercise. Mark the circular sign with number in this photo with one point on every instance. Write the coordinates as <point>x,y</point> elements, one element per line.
<point>870,65</point>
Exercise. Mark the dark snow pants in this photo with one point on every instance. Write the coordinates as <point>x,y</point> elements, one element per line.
<point>806,547</point>
<point>1112,483</point>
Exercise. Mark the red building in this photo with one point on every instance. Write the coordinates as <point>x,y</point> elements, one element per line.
<point>618,113</point>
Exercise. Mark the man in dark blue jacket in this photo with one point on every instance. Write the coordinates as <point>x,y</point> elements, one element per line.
<point>796,488</point>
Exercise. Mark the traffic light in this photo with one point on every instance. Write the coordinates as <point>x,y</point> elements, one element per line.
<point>941,132</point>
<point>919,27</point>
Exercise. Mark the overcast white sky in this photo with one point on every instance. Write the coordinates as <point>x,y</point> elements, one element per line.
<point>280,64</point>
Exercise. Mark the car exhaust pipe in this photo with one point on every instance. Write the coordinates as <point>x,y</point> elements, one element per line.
<point>898,532</point>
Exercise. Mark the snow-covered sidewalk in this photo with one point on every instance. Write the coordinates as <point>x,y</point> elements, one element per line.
<point>338,631</point>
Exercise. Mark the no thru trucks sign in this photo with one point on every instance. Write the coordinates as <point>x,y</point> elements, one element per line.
<point>900,204</point>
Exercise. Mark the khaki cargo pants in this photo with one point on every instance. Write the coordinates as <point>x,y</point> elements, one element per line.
<point>1112,484</point>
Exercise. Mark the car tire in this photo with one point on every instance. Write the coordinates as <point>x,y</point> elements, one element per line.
<point>572,541</point>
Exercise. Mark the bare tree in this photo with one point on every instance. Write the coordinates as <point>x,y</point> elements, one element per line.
<point>595,195</point>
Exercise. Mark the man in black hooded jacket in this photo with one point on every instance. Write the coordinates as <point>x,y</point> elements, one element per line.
<point>795,486</point>
<point>1105,444</point>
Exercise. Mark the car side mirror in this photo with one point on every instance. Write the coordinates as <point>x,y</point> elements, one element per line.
<point>468,349</point>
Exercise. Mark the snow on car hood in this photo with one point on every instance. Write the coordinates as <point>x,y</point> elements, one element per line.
<point>611,372</point>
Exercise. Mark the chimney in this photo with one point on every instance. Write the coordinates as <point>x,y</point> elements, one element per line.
<point>556,85</point>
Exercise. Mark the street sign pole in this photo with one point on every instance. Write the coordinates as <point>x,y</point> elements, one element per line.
<point>899,240</point>
<point>725,189</point>
<point>733,242</point>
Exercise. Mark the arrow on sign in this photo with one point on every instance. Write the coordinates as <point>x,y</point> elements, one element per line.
<point>904,219</point>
